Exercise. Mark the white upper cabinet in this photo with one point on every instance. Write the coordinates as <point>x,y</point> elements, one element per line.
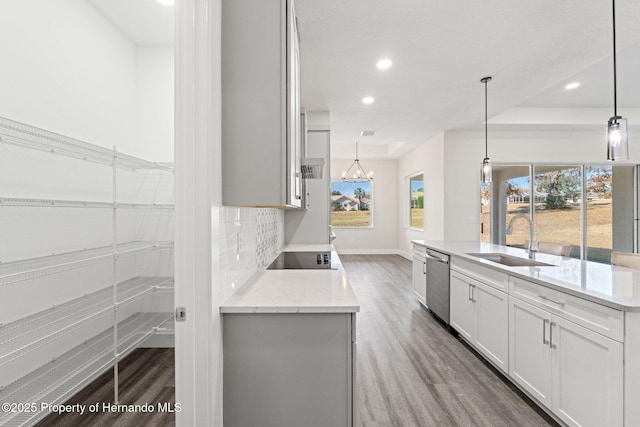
<point>260,104</point>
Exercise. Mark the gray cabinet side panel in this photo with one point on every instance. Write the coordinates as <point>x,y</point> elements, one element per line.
<point>287,369</point>
<point>312,225</point>
<point>253,102</point>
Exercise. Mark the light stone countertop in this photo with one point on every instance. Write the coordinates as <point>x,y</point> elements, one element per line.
<point>296,291</point>
<point>612,286</point>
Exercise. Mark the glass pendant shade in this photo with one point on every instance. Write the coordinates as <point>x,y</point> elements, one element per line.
<point>617,143</point>
<point>486,172</point>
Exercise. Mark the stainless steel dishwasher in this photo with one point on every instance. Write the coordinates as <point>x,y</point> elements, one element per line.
<point>438,284</point>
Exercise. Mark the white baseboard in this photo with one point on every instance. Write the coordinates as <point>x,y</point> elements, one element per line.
<point>368,252</point>
<point>159,341</point>
<point>407,255</point>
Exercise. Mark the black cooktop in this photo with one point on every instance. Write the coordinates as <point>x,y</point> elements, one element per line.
<point>303,261</point>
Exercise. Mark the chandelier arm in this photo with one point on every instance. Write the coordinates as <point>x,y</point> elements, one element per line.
<point>349,170</point>
<point>362,170</point>
<point>361,175</point>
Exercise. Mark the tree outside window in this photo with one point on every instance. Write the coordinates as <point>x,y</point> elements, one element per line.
<point>562,197</point>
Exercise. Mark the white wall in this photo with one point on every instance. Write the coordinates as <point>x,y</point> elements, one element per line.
<point>429,159</point>
<point>66,69</point>
<point>463,153</point>
<point>383,237</point>
<point>312,224</point>
<point>155,110</point>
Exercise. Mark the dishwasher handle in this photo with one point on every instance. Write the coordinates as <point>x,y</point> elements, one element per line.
<point>438,259</point>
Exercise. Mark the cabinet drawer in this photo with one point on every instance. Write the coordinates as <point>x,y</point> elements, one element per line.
<point>479,272</point>
<point>419,250</point>
<point>593,316</point>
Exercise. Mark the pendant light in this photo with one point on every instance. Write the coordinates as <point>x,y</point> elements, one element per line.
<point>617,143</point>
<point>485,172</point>
<point>356,173</point>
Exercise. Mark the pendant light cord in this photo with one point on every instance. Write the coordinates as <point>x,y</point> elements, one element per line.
<point>615,83</point>
<point>486,127</point>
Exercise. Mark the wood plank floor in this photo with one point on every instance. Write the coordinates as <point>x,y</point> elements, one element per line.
<point>411,371</point>
<point>147,375</point>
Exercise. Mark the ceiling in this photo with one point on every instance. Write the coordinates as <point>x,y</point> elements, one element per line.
<point>440,51</point>
<point>144,22</point>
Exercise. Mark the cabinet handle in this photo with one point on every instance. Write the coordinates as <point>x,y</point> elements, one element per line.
<point>544,297</point>
<point>544,331</point>
<point>298,185</point>
<point>472,292</point>
<point>551,344</point>
<point>424,268</point>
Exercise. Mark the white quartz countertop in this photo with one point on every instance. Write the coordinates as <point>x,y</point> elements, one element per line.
<point>296,291</point>
<point>612,286</point>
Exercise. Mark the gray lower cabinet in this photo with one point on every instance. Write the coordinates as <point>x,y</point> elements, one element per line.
<point>289,369</point>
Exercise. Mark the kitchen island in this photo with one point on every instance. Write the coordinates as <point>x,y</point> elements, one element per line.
<point>565,331</point>
<point>296,291</point>
<point>289,340</point>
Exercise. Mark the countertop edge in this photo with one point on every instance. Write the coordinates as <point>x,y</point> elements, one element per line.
<point>542,282</point>
<point>277,291</point>
<point>546,284</point>
<point>289,310</point>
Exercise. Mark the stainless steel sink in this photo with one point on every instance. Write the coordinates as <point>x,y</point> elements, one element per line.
<point>510,260</point>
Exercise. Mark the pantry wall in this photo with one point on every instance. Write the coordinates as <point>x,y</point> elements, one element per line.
<point>86,213</point>
<point>86,200</point>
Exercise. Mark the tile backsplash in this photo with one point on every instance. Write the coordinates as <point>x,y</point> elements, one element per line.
<point>250,240</point>
<point>270,235</point>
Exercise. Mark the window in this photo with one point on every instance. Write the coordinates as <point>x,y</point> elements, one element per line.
<point>416,201</point>
<point>558,205</point>
<point>485,213</point>
<point>568,204</point>
<point>599,205</point>
<point>351,204</point>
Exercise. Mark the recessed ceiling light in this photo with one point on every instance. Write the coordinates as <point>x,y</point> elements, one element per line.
<point>383,64</point>
<point>368,100</point>
<point>166,2</point>
<point>572,85</point>
<point>367,133</point>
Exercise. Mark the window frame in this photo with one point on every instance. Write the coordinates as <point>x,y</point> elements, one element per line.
<point>407,201</point>
<point>584,225</point>
<point>371,209</point>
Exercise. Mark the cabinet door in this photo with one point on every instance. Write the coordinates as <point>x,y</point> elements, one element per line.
<point>588,376</point>
<point>294,179</point>
<point>529,352</point>
<point>461,304</point>
<point>492,324</point>
<point>420,279</point>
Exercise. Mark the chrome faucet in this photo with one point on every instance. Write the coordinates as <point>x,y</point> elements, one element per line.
<point>531,249</point>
